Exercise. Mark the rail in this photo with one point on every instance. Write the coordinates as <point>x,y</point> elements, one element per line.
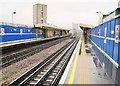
<point>50,71</point>
<point>19,55</point>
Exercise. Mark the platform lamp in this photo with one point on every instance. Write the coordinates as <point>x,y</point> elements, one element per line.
<point>100,19</point>
<point>12,16</point>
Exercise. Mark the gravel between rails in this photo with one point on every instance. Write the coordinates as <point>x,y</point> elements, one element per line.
<point>12,72</point>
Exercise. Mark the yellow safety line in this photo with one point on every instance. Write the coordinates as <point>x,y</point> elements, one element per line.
<point>84,73</point>
<point>74,67</point>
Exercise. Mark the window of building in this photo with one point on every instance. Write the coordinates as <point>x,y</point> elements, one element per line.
<point>41,21</point>
<point>42,7</point>
<point>41,15</point>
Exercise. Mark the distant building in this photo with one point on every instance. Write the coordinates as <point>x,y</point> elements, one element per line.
<point>74,26</point>
<point>76,30</point>
<point>112,15</point>
<point>119,4</point>
<point>39,14</point>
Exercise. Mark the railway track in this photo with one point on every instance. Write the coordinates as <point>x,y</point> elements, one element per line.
<point>17,56</point>
<point>49,71</point>
<point>14,48</point>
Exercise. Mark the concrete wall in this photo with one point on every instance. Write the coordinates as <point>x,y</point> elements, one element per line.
<point>119,4</point>
<point>37,14</point>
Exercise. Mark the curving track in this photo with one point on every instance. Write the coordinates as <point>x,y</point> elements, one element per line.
<point>19,55</point>
<point>49,71</point>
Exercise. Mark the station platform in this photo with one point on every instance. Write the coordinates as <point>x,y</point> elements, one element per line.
<point>81,69</point>
<point>12,43</point>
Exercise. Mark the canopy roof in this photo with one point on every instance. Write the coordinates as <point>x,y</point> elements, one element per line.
<point>48,26</point>
<point>86,26</point>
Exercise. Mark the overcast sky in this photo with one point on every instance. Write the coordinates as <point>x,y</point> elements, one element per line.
<point>59,12</point>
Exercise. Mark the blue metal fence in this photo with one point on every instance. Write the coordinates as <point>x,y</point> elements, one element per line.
<point>103,38</point>
<point>16,33</point>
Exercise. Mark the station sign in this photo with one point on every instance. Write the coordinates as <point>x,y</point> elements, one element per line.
<point>36,33</point>
<point>2,31</point>
<point>21,31</point>
<point>105,34</point>
<point>117,29</point>
<point>99,32</point>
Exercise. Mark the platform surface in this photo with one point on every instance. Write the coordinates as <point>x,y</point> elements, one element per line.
<point>82,70</point>
<point>7,44</point>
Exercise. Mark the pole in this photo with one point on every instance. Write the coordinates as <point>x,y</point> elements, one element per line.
<point>100,19</point>
<point>12,18</point>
